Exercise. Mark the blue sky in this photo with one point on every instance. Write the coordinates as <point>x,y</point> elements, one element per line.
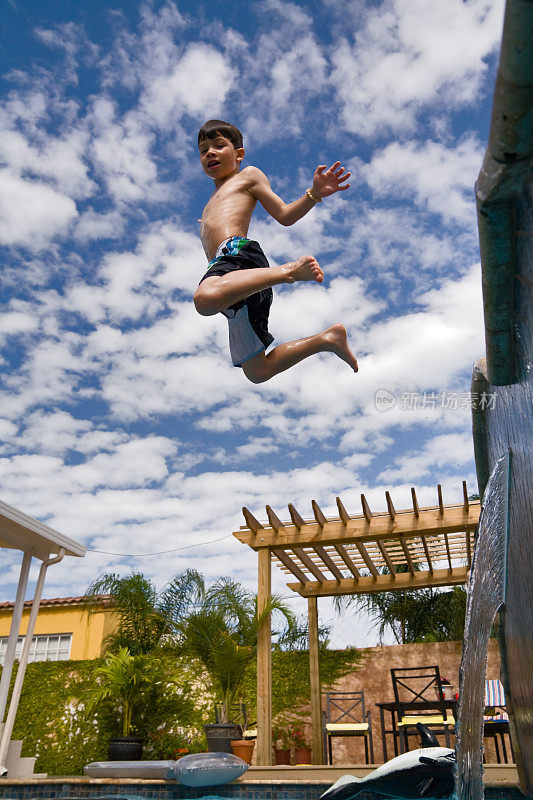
<point>122,422</point>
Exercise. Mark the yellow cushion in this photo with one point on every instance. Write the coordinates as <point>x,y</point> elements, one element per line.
<point>251,734</point>
<point>435,719</point>
<point>337,727</point>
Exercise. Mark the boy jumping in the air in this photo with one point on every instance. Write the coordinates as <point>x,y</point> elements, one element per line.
<point>238,281</point>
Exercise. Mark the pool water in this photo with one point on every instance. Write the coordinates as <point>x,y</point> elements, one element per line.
<point>73,790</point>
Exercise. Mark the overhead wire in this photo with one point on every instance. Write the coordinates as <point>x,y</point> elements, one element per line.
<point>159,552</point>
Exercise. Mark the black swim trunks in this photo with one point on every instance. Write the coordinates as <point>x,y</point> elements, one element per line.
<point>247,319</point>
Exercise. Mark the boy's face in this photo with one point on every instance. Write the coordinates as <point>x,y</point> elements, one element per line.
<point>219,158</point>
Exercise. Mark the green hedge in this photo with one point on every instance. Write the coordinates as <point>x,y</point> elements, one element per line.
<point>53,725</point>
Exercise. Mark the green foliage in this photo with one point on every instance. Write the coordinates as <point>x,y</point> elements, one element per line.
<point>54,724</point>
<point>122,681</point>
<point>424,615</point>
<point>147,620</point>
<point>290,678</point>
<point>417,615</point>
<point>222,635</point>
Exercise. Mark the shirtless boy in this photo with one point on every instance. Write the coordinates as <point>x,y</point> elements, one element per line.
<point>239,281</point>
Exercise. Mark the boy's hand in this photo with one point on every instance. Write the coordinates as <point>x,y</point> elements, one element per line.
<point>329,181</point>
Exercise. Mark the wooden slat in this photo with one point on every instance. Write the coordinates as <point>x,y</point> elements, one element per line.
<point>466,503</point>
<point>416,507</point>
<point>390,506</point>
<point>366,509</point>
<point>319,516</point>
<point>426,551</point>
<point>341,550</point>
<point>366,558</point>
<point>282,556</point>
<point>403,580</point>
<point>441,504</point>
<point>304,558</point>
<point>387,558</point>
<point>297,520</point>
<point>343,514</point>
<point>448,550</point>
<point>407,555</point>
<point>430,523</point>
<point>251,521</point>
<point>275,522</point>
<point>328,561</point>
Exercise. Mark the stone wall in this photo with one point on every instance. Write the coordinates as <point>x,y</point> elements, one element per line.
<point>373,677</point>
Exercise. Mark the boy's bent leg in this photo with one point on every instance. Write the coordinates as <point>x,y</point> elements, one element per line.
<point>221,291</point>
<point>262,367</point>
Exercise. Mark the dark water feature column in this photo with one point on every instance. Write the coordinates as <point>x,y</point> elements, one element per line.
<point>486,593</point>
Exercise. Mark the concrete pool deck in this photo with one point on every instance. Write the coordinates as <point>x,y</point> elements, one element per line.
<point>495,776</point>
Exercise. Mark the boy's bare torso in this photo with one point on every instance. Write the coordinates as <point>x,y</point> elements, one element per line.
<point>228,212</point>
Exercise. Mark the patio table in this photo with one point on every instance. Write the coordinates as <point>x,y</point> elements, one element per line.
<point>394,708</point>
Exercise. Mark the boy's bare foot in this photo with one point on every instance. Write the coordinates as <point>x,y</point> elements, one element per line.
<point>304,269</point>
<point>337,342</point>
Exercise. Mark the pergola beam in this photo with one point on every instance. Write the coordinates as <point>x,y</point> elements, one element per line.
<point>383,583</point>
<point>429,522</point>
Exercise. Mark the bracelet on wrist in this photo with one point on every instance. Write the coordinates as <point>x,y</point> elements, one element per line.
<point>312,197</point>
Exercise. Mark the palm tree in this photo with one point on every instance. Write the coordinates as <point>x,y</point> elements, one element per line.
<point>122,680</point>
<point>147,619</point>
<point>416,615</point>
<point>222,634</point>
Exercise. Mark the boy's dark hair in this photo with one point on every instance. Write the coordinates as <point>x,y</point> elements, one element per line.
<point>216,127</point>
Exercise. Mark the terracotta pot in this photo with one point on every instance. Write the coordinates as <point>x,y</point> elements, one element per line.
<point>243,748</point>
<point>302,755</point>
<point>282,756</point>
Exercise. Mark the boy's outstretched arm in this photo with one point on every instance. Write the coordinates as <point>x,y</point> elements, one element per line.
<point>325,183</point>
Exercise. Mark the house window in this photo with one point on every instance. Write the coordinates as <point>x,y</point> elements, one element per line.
<point>53,647</point>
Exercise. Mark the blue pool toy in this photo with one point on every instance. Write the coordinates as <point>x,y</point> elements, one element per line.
<point>208,769</point>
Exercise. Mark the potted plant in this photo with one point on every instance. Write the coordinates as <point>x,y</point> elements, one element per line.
<point>282,739</point>
<point>222,634</point>
<point>302,748</point>
<point>120,682</point>
<point>447,689</point>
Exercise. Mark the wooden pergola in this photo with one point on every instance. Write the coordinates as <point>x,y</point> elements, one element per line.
<point>412,548</point>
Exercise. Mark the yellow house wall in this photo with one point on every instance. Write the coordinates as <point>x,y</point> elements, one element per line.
<point>88,629</point>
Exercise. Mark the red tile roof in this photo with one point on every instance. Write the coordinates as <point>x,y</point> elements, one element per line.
<point>105,599</point>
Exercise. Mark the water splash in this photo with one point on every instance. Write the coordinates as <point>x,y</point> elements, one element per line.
<point>486,593</point>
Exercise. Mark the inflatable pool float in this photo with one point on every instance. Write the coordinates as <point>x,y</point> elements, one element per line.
<point>197,769</point>
<point>154,770</point>
<point>209,769</point>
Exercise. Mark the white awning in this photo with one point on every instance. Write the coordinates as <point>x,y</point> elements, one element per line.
<point>19,531</point>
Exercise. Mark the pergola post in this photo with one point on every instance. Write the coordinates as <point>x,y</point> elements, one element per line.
<point>314,673</point>
<point>264,663</point>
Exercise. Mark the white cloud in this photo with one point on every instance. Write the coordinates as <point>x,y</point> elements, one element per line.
<point>439,179</point>
<point>32,213</point>
<point>408,54</point>
<point>197,85</point>
<point>120,151</point>
<point>450,450</point>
